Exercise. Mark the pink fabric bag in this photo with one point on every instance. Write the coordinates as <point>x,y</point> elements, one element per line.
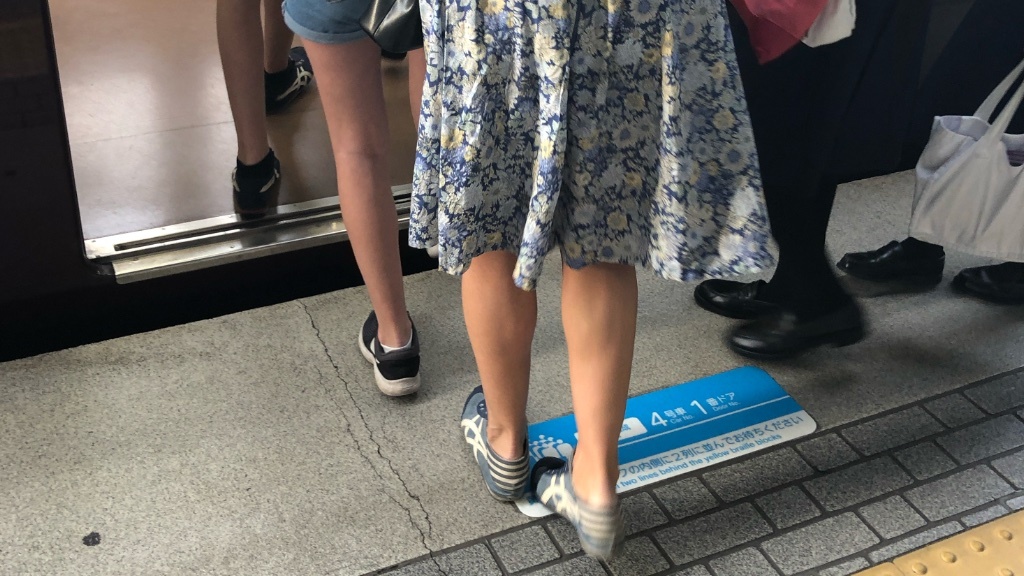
<point>775,26</point>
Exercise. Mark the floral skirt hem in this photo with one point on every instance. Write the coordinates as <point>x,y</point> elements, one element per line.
<point>588,258</point>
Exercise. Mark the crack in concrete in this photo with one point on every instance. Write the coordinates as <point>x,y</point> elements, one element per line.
<point>377,447</point>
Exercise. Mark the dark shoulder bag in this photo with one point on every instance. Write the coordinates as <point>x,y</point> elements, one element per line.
<point>395,25</point>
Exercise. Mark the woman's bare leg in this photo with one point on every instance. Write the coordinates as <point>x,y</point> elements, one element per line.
<point>500,319</point>
<point>240,39</point>
<point>352,91</point>
<point>599,308</point>
<point>277,37</point>
<point>417,74</point>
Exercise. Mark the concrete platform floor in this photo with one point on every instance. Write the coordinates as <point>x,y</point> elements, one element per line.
<point>257,443</point>
<point>944,473</point>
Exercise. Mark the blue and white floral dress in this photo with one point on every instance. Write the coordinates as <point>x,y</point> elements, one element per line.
<point>616,130</point>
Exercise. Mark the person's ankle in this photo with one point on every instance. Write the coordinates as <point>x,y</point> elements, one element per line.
<point>395,337</point>
<point>506,442</point>
<point>277,66</point>
<point>593,481</point>
<point>259,159</point>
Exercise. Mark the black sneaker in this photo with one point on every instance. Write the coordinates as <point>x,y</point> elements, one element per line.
<point>284,87</point>
<point>397,372</point>
<point>255,187</point>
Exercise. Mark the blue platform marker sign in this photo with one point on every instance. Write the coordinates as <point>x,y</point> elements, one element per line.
<point>685,427</point>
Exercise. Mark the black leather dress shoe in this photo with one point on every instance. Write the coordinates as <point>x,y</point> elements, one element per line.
<point>894,262</point>
<point>739,300</point>
<point>784,335</point>
<point>1000,283</point>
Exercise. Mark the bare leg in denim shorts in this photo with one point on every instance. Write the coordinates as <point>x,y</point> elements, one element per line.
<point>263,74</point>
<point>351,87</point>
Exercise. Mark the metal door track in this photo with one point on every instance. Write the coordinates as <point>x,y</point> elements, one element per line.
<point>210,242</point>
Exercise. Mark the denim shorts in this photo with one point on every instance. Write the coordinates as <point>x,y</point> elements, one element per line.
<point>326,21</point>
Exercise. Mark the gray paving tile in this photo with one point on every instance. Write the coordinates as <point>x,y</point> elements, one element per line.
<point>894,430</point>
<point>685,498</point>
<point>524,548</point>
<point>958,493</point>
<point>892,517</point>
<point>846,568</point>
<point>758,474</point>
<point>820,543</point>
<point>999,395</point>
<point>713,533</point>
<point>984,516</point>
<point>858,483</point>
<point>747,562</point>
<point>639,557</point>
<point>827,452</point>
<point>925,460</point>
<point>915,542</point>
<point>1012,467</point>
<point>1016,503</point>
<point>641,512</point>
<point>695,571</point>
<point>473,561</point>
<point>985,439</point>
<point>954,410</point>
<point>423,568</point>
<point>565,535</point>
<point>578,566</point>
<point>788,507</point>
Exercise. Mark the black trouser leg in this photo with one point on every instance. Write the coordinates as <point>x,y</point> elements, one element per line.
<point>797,107</point>
<point>804,279</point>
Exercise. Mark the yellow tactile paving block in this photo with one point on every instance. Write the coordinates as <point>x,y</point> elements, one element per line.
<point>993,549</point>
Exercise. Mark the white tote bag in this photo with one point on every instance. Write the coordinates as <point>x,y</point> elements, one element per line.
<point>970,181</point>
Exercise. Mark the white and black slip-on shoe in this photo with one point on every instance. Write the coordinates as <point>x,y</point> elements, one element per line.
<point>601,529</point>
<point>397,372</point>
<point>283,88</point>
<point>255,188</point>
<point>505,479</point>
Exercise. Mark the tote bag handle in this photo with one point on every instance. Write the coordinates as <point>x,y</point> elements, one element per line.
<point>989,105</point>
<point>1002,122</point>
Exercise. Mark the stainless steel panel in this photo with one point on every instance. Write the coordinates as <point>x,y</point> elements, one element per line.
<point>211,242</point>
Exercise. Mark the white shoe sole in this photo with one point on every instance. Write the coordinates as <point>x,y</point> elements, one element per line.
<point>394,388</point>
